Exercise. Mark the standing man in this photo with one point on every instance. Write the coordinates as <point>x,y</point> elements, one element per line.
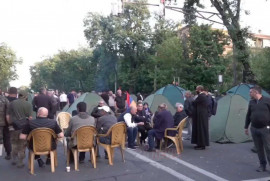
<point>200,128</point>
<point>188,110</point>
<point>259,116</point>
<point>19,109</point>
<point>71,97</point>
<point>3,117</point>
<point>43,100</point>
<point>63,100</point>
<point>120,102</point>
<point>12,95</point>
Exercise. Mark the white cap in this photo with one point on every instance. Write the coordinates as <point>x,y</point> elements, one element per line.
<point>105,108</point>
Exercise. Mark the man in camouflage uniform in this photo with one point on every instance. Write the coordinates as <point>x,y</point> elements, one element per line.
<point>18,109</point>
<point>3,117</point>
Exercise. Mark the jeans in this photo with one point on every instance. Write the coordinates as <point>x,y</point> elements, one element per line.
<point>132,134</point>
<point>261,138</point>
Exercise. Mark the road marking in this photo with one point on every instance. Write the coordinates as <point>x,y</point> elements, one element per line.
<point>193,167</point>
<point>159,166</point>
<point>259,179</point>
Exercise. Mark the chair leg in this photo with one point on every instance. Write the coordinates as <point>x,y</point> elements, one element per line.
<point>68,156</point>
<point>112,152</point>
<point>122,153</point>
<point>32,163</point>
<point>108,149</point>
<point>75,155</point>
<point>55,158</point>
<point>178,149</point>
<point>181,145</point>
<point>94,158</point>
<point>52,161</point>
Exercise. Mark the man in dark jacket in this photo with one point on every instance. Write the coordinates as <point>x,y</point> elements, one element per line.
<point>163,120</point>
<point>179,114</point>
<point>259,116</point>
<point>200,128</point>
<point>96,111</point>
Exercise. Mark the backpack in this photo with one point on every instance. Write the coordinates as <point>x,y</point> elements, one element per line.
<point>214,106</point>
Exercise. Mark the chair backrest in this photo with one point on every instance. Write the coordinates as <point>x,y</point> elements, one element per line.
<point>63,119</point>
<point>42,139</point>
<point>85,137</point>
<point>118,133</point>
<point>180,127</point>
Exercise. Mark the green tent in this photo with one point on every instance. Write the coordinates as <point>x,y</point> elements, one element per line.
<point>173,93</point>
<point>91,99</point>
<point>155,100</point>
<point>228,124</point>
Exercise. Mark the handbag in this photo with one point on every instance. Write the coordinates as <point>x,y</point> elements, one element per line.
<point>20,124</point>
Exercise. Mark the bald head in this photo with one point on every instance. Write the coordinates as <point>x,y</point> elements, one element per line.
<point>42,112</point>
<point>133,110</point>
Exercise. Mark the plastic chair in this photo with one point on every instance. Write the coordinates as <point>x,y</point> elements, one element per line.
<point>118,137</point>
<point>63,119</point>
<point>85,143</point>
<point>177,139</point>
<point>42,145</point>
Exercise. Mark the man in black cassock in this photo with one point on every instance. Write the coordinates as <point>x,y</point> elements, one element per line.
<point>200,129</point>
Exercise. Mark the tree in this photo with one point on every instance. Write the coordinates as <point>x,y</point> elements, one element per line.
<point>229,11</point>
<point>260,63</point>
<point>205,62</point>
<point>8,62</point>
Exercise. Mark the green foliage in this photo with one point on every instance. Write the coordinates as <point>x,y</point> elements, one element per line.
<point>206,61</point>
<point>260,63</point>
<point>8,62</point>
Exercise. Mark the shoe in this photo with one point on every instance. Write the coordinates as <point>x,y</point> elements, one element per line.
<point>170,145</point>
<point>254,150</point>
<point>8,157</point>
<point>20,165</point>
<point>150,150</point>
<point>199,147</point>
<point>261,169</point>
<point>48,161</point>
<point>135,145</point>
<point>40,163</point>
<point>131,148</point>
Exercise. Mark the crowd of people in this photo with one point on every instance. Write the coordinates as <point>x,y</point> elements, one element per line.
<point>114,108</point>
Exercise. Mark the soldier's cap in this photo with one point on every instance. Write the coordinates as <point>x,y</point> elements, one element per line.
<point>105,108</point>
<point>22,93</point>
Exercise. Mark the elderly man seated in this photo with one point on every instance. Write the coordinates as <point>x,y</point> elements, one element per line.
<point>163,119</point>
<point>42,121</point>
<point>82,119</point>
<point>180,114</point>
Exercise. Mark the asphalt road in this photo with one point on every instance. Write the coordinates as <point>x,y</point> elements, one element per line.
<point>218,162</point>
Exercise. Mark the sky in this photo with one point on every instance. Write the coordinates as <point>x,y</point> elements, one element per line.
<point>36,29</point>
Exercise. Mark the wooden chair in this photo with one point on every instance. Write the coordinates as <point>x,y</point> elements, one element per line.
<point>177,139</point>
<point>85,137</point>
<point>118,137</point>
<point>42,145</point>
<point>63,119</point>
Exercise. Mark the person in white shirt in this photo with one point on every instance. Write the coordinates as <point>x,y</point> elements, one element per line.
<point>63,100</point>
<point>132,128</point>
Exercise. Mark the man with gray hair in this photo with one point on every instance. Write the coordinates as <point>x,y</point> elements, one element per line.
<point>180,114</point>
<point>163,119</point>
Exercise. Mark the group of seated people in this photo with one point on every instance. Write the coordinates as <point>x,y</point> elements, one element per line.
<point>137,119</point>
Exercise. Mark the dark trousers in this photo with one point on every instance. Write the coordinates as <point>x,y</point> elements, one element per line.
<point>261,138</point>
<point>151,139</point>
<point>143,129</point>
<point>6,139</point>
<point>132,134</point>
<point>62,105</point>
